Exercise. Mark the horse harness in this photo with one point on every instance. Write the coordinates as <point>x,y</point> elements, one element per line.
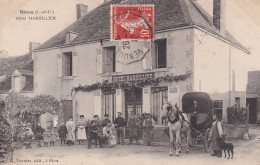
<point>168,115</point>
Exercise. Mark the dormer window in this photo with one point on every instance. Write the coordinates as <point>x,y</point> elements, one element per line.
<point>70,36</point>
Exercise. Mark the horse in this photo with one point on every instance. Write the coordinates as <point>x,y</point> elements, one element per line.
<point>178,123</point>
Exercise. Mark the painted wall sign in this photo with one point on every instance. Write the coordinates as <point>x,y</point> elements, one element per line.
<point>132,51</point>
<point>132,77</point>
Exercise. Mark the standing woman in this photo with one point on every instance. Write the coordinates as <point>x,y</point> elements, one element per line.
<point>38,132</point>
<point>71,131</point>
<point>81,131</point>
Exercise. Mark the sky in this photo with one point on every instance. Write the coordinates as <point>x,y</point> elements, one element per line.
<point>242,21</point>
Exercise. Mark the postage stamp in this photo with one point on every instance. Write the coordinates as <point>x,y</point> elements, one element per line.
<point>132,22</point>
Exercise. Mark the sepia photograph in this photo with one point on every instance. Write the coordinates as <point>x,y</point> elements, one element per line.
<point>130,82</point>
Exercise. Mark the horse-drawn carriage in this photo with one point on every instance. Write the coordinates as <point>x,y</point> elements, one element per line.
<point>180,123</point>
<point>203,117</point>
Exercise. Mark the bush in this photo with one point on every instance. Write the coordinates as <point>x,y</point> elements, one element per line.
<point>236,115</point>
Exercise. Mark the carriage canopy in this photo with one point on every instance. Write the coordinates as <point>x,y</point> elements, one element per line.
<point>203,99</point>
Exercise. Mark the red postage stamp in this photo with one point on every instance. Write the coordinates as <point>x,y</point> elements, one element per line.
<point>132,22</point>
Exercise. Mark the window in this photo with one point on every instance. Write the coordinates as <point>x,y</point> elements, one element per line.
<point>110,59</point>
<point>237,101</point>
<point>109,105</point>
<point>160,53</point>
<point>159,96</point>
<point>218,108</point>
<point>67,64</point>
<point>67,109</point>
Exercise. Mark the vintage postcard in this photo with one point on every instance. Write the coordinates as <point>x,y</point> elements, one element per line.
<point>129,82</point>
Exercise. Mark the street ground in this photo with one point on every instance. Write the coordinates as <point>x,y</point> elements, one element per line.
<point>245,152</point>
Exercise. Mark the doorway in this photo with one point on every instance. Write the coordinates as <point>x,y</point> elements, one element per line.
<point>252,102</point>
<point>133,102</point>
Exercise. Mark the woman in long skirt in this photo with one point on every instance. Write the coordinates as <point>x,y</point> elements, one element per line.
<point>71,131</point>
<point>81,132</point>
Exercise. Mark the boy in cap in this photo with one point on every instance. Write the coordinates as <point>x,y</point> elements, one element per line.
<point>120,124</point>
<point>148,129</point>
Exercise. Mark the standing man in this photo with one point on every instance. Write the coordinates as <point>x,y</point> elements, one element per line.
<point>215,133</point>
<point>105,121</point>
<point>148,129</point>
<point>120,124</point>
<point>132,124</point>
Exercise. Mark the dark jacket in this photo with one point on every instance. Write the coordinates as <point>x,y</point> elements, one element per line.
<point>62,132</point>
<point>92,131</point>
<point>38,133</point>
<point>119,122</point>
<point>104,122</point>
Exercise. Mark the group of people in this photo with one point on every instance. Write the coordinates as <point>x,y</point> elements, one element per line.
<point>103,132</point>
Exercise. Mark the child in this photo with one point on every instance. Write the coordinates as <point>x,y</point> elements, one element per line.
<point>39,134</point>
<point>53,137</point>
<point>28,136</point>
<point>62,134</point>
<point>93,134</point>
<point>47,137</point>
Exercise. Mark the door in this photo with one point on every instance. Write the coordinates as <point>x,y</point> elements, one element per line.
<point>133,101</point>
<point>67,109</point>
<point>252,102</point>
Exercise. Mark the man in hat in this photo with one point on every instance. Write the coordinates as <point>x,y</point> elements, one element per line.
<point>215,133</point>
<point>120,124</point>
<point>148,129</point>
<point>108,135</point>
<point>105,121</point>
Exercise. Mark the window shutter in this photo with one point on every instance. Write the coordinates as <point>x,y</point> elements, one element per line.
<point>147,62</point>
<point>119,66</point>
<point>99,62</point>
<point>169,60</point>
<point>108,60</point>
<point>59,65</point>
<point>75,63</point>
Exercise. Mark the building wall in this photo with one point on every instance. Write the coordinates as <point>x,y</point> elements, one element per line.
<point>216,64</point>
<point>47,81</point>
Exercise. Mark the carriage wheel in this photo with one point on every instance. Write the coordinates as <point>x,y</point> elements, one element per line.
<point>206,141</point>
<point>193,139</point>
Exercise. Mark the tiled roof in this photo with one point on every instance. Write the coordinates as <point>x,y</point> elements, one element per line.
<point>169,14</point>
<point>8,65</point>
<point>25,72</point>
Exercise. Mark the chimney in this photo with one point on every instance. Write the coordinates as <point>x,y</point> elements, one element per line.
<point>32,46</point>
<point>219,7</point>
<point>81,10</point>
